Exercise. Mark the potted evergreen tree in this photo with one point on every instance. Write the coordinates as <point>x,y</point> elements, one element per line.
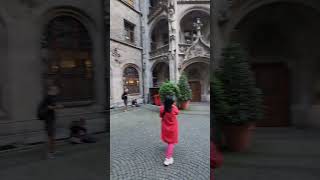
<point>168,88</point>
<point>185,92</point>
<point>242,96</point>
<point>220,107</point>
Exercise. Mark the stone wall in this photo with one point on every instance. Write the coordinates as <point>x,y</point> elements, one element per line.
<point>23,83</point>
<point>123,53</point>
<point>120,12</point>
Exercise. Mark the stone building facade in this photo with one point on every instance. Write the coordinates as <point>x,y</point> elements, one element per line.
<point>170,37</point>
<point>281,37</point>
<point>50,41</point>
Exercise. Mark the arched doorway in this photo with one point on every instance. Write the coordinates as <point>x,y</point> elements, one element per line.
<point>160,74</point>
<point>281,40</point>
<point>198,76</point>
<point>69,58</point>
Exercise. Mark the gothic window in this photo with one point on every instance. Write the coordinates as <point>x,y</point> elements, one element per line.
<point>129,31</point>
<point>131,80</point>
<point>69,59</point>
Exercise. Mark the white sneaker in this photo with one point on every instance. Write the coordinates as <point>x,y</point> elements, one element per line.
<point>167,162</point>
<point>75,140</point>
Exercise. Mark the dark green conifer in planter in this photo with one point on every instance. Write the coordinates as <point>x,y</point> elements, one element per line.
<point>220,106</point>
<point>185,90</point>
<point>168,88</point>
<point>241,93</point>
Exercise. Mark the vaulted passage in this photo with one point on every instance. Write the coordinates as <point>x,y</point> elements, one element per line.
<point>160,74</point>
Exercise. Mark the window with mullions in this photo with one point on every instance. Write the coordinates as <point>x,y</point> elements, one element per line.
<point>69,59</point>
<point>129,32</point>
<point>131,80</point>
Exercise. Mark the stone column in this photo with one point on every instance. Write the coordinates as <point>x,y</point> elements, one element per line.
<point>99,68</point>
<point>174,29</point>
<point>146,45</point>
<point>173,37</point>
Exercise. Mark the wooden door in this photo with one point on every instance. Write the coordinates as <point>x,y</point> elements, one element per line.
<point>273,80</point>
<point>196,91</point>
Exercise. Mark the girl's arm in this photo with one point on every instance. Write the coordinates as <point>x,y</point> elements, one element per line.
<point>175,110</point>
<point>161,112</point>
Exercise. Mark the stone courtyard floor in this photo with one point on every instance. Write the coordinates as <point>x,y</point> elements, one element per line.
<point>74,162</point>
<point>137,152</point>
<point>276,154</point>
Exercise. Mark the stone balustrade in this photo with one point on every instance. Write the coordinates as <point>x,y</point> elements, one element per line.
<point>161,51</point>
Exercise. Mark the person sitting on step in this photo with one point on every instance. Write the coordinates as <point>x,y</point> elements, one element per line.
<point>78,133</point>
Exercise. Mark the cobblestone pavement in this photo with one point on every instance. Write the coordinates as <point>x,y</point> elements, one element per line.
<point>277,154</point>
<point>137,152</point>
<point>75,162</point>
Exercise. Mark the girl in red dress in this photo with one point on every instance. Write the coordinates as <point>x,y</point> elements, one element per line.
<point>169,127</point>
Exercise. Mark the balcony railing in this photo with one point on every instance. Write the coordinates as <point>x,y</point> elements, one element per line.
<point>161,51</point>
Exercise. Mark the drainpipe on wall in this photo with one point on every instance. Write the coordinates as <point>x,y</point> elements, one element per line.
<point>142,30</point>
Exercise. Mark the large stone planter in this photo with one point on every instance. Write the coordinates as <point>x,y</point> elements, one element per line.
<point>184,105</point>
<point>238,137</point>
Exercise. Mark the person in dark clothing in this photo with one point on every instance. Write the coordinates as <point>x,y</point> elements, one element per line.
<point>49,117</point>
<point>134,103</point>
<point>125,99</point>
<point>78,133</point>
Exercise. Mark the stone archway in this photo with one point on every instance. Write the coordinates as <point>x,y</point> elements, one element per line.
<point>282,37</point>
<point>188,33</point>
<point>198,76</point>
<point>160,73</point>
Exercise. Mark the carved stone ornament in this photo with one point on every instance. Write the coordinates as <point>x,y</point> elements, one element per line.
<point>198,49</point>
<point>116,55</point>
<point>171,19</point>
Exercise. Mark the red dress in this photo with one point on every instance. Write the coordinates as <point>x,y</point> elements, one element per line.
<point>169,125</point>
<point>216,158</point>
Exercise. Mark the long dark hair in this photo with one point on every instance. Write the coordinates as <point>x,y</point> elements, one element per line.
<point>169,100</point>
